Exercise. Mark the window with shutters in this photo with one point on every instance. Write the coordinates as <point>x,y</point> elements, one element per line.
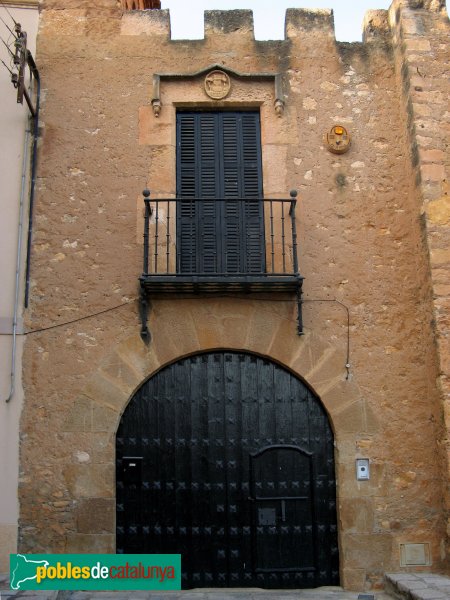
<point>219,163</point>
<point>219,233</point>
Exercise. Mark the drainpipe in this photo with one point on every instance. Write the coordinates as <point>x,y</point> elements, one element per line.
<point>35,117</point>
<point>18,261</point>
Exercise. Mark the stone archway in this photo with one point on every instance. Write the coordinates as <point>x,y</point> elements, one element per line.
<point>259,327</point>
<point>228,459</point>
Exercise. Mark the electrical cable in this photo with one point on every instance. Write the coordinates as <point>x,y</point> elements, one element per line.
<point>6,8</point>
<point>101,312</point>
<point>346,308</point>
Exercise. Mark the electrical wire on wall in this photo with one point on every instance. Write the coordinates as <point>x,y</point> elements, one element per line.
<point>345,307</point>
<point>131,300</point>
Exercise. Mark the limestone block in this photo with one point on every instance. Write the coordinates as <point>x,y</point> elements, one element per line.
<point>82,543</point>
<point>261,331</point>
<point>275,169</point>
<point>368,551</point>
<point>154,130</point>
<point>95,515</point>
<point>142,357</point>
<point>100,5</point>
<point>418,45</point>
<point>161,176</point>
<point>357,515</point>
<point>67,22</point>
<point>433,172</point>
<point>316,22</point>
<point>440,257</point>
<point>105,391</point>
<point>328,371</point>
<point>90,480</point>
<point>79,417</point>
<point>356,418</point>
<point>353,579</point>
<point>173,329</point>
<point>228,22</point>
<point>342,394</point>
<point>432,5</point>
<point>105,419</point>
<point>286,342</point>
<point>375,25</point>
<point>121,372</point>
<point>221,325</point>
<point>433,156</point>
<point>155,23</point>
<point>276,130</point>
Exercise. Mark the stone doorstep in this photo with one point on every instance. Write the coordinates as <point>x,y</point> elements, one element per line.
<point>418,586</point>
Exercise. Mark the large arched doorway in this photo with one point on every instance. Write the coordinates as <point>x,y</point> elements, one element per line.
<point>228,459</point>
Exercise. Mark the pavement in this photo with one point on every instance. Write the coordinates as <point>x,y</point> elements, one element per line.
<point>405,586</point>
<point>325,593</point>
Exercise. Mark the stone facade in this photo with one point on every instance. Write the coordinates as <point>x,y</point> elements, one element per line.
<point>373,233</point>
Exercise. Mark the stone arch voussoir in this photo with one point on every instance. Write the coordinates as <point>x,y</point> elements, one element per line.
<point>216,324</point>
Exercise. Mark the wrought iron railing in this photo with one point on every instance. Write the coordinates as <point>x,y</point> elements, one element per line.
<point>220,239</point>
<point>213,245</point>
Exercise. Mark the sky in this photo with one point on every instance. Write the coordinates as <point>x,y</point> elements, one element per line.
<point>187,15</point>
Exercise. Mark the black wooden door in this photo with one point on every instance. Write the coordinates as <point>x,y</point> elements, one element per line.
<point>227,459</point>
<point>219,159</point>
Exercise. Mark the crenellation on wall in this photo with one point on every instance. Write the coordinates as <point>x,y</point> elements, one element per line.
<point>303,21</point>
<point>376,26</point>
<point>149,22</point>
<point>229,22</point>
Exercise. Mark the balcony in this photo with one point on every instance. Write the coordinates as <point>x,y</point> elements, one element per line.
<point>220,245</point>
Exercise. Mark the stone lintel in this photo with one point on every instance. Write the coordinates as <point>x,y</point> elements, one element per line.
<point>275,77</point>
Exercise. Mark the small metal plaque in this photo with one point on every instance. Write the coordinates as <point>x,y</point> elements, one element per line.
<point>132,470</point>
<point>267,516</point>
<point>415,555</point>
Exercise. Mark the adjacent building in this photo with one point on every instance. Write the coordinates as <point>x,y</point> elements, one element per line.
<point>15,152</point>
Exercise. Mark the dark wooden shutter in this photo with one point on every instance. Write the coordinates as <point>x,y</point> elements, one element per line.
<point>219,158</point>
<point>187,250</point>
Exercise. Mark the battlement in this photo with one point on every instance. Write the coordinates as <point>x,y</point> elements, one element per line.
<point>143,17</point>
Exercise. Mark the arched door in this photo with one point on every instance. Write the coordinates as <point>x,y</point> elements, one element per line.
<point>228,459</point>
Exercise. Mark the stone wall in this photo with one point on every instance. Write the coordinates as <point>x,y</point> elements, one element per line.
<point>363,242</point>
<point>421,37</point>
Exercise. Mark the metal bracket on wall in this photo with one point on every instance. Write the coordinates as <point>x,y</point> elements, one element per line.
<point>144,309</point>
<point>299,312</point>
<point>279,102</point>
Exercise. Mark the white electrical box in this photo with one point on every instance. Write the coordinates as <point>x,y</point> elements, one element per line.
<point>362,469</point>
